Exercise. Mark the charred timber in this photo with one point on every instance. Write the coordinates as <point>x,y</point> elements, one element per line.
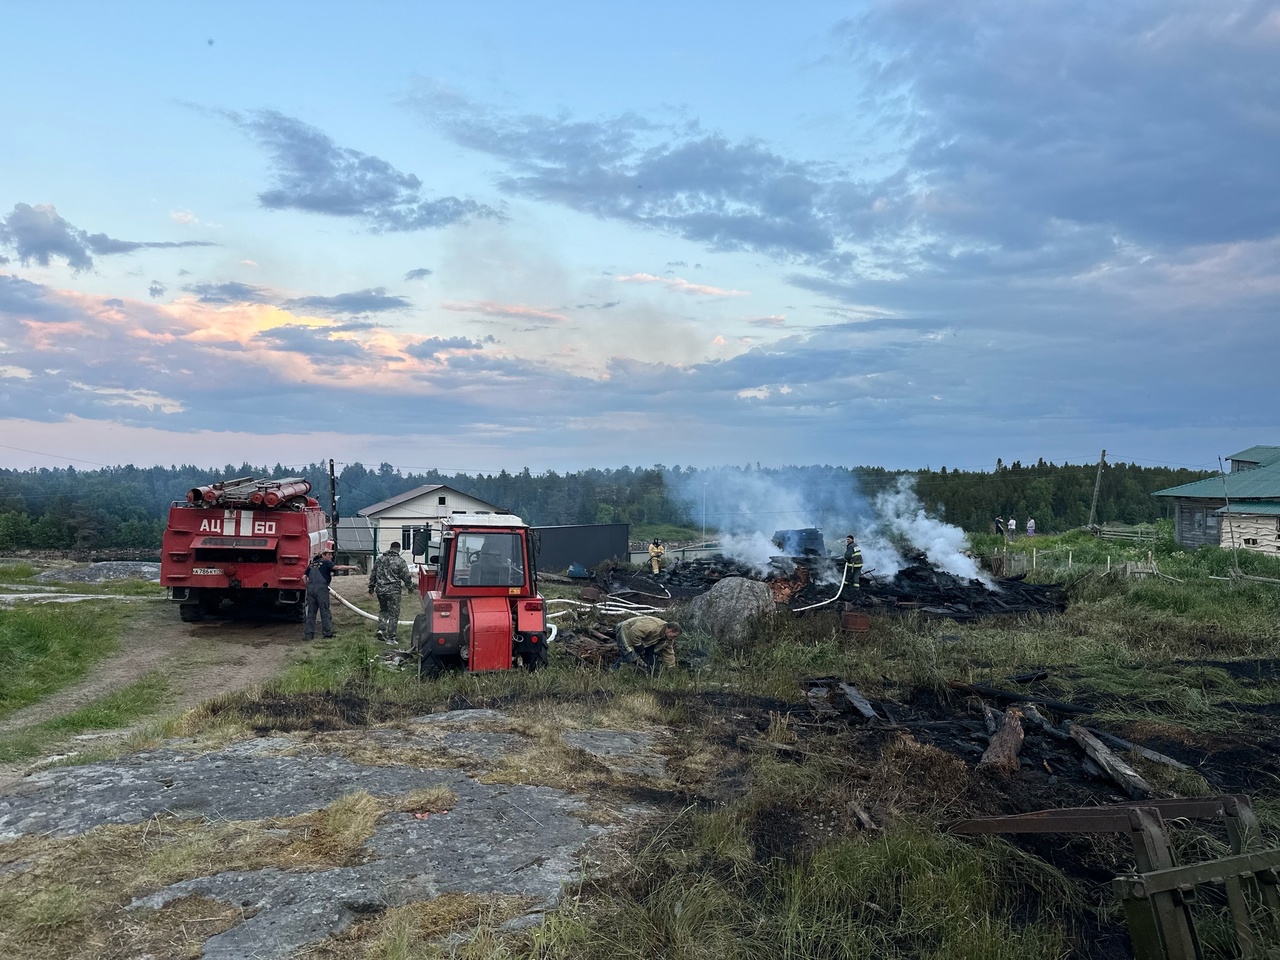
<point>919,588</point>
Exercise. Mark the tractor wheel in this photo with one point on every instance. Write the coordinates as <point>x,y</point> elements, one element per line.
<point>535,660</point>
<point>191,612</point>
<point>429,667</point>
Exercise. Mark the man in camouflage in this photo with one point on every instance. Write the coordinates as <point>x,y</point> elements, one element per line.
<point>388,575</point>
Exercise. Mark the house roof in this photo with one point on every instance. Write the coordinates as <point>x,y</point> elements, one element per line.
<point>1259,455</point>
<point>1264,507</point>
<point>1259,483</point>
<point>397,500</point>
<point>415,493</point>
<point>355,535</point>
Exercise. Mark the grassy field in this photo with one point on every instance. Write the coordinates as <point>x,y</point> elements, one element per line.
<point>762,847</point>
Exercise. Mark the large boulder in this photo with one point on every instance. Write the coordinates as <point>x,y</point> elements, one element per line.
<point>727,610</point>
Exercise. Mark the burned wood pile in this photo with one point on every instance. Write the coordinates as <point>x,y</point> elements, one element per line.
<point>937,593</point>
<point>803,581</point>
<point>1038,735</point>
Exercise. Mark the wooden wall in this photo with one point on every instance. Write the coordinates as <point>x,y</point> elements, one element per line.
<point>1252,531</point>
<point>1195,523</point>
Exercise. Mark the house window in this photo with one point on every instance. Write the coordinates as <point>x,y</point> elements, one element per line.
<point>1250,541</point>
<point>442,499</point>
<point>1197,521</point>
<point>406,537</point>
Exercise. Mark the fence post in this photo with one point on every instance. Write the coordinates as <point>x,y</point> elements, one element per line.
<point>1108,563</point>
<point>1068,559</point>
<point>1033,558</point>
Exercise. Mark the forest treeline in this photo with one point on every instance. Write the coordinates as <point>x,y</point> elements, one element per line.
<point>126,507</point>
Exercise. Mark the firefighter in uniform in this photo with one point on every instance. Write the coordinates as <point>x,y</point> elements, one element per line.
<point>656,550</point>
<point>852,563</point>
<point>647,640</point>
<point>388,575</point>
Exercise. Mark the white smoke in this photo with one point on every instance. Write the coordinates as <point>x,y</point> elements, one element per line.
<point>946,547</point>
<point>746,506</point>
<point>754,549</point>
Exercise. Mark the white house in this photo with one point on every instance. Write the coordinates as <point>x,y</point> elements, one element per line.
<point>397,518</point>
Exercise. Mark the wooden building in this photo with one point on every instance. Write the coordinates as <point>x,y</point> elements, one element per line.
<point>1240,509</point>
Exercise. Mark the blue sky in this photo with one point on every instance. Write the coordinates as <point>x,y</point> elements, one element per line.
<point>903,233</point>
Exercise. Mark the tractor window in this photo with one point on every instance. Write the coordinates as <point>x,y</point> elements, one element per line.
<point>488,560</point>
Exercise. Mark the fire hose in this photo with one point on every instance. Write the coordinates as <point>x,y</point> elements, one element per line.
<point>406,623</point>
<point>823,603</point>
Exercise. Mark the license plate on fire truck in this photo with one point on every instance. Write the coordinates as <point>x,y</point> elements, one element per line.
<point>207,571</point>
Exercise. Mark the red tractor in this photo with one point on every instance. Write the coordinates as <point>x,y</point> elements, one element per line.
<point>245,541</point>
<point>481,609</point>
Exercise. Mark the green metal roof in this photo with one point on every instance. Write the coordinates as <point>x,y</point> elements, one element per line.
<point>1260,455</point>
<point>1258,483</point>
<point>1267,507</point>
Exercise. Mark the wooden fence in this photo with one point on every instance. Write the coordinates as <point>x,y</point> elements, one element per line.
<point>1134,534</point>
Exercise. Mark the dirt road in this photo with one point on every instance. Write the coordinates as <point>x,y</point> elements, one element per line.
<point>200,660</point>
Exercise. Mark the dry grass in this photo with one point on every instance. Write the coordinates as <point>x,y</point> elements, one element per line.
<point>453,925</point>
<point>427,800</point>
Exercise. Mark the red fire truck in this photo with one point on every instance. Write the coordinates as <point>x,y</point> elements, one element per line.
<point>481,609</point>
<point>245,541</point>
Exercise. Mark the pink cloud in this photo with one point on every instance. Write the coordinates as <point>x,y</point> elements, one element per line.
<point>679,285</point>
<point>775,320</point>
<point>491,308</point>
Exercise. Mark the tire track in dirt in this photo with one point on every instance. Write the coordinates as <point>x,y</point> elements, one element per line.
<point>199,660</point>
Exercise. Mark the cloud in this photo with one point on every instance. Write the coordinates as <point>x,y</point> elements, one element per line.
<point>1062,126</point>
<point>315,343</point>
<point>184,217</point>
<point>120,397</point>
<point>727,194</point>
<point>418,274</point>
<point>38,233</point>
<point>315,175</point>
<point>231,291</point>
<point>436,346</point>
<point>677,285</point>
<point>373,300</point>
<point>513,311</point>
<point>156,289</point>
<point>776,320</point>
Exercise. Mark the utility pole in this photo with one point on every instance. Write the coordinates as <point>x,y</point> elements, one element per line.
<point>704,514</point>
<point>333,506</point>
<point>1097,485</point>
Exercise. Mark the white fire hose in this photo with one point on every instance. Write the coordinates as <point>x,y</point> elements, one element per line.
<point>405,623</point>
<point>823,603</point>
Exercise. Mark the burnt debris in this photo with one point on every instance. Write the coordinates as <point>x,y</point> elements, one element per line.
<point>802,581</point>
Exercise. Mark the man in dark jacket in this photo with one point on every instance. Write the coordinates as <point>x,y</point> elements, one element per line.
<point>319,576</point>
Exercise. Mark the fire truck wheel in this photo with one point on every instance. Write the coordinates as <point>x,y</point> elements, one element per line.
<point>191,612</point>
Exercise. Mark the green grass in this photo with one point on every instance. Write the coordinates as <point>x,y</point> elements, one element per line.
<point>694,891</point>
<point>47,647</point>
<point>116,710</point>
<point>16,572</point>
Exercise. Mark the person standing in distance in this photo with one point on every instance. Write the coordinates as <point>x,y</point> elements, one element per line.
<point>319,576</point>
<point>656,550</point>
<point>389,574</point>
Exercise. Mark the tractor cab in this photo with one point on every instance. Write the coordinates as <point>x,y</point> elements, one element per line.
<point>480,604</point>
